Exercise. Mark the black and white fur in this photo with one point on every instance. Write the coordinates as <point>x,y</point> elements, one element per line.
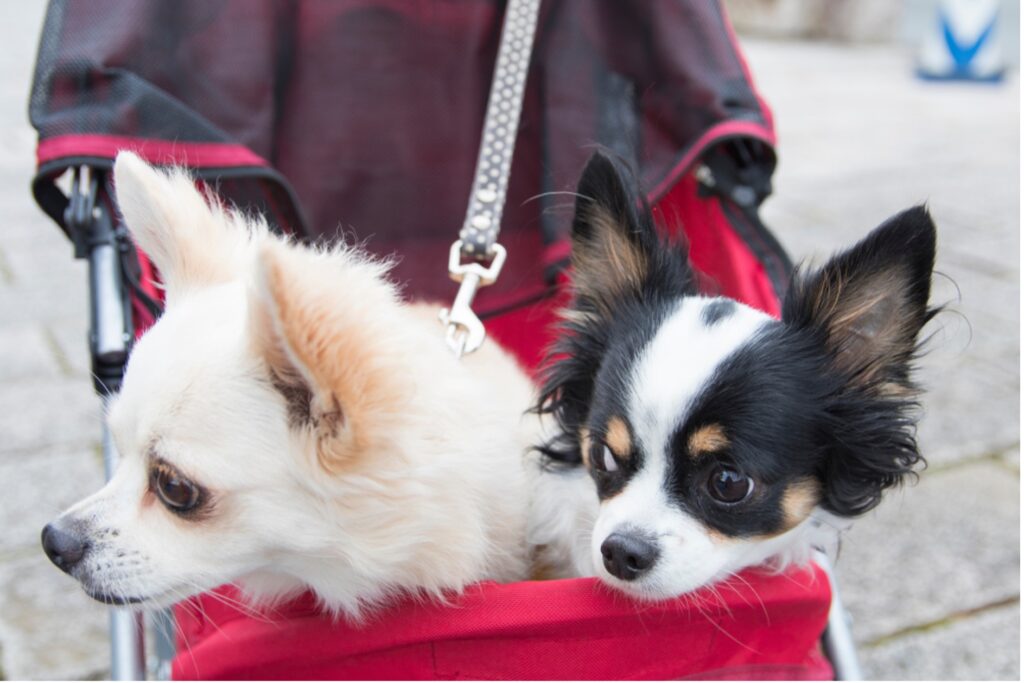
<point>716,436</point>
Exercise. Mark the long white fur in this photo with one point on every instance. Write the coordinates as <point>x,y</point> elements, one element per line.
<point>440,506</point>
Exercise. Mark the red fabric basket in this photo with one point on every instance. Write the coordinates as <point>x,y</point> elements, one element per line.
<point>755,626</point>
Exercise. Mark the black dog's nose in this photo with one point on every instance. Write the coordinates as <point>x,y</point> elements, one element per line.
<point>628,556</point>
<point>64,549</point>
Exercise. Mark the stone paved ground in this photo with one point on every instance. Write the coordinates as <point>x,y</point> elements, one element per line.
<point>932,578</point>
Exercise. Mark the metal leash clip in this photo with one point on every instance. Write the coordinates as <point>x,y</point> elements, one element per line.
<point>478,238</point>
<point>465,333</point>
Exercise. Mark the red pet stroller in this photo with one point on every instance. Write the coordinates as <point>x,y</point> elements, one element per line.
<point>369,112</point>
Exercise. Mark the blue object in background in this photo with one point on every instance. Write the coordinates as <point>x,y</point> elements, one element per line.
<point>964,42</point>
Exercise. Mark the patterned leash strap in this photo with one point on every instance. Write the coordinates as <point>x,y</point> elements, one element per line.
<point>478,238</point>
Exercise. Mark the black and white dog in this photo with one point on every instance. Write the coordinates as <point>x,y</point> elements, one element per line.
<point>718,437</point>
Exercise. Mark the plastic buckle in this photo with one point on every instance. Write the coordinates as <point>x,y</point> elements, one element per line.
<point>465,333</point>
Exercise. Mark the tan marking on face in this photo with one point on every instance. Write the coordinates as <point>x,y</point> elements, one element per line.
<point>707,439</point>
<point>585,446</point>
<point>618,439</point>
<point>717,537</point>
<point>798,501</point>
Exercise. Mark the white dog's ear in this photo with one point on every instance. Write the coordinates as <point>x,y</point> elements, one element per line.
<point>314,321</point>
<point>191,243</point>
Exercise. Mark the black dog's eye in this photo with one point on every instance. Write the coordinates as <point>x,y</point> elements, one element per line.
<point>727,485</point>
<point>176,492</point>
<point>605,460</point>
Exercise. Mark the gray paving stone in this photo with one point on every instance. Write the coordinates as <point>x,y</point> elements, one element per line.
<point>48,483</point>
<point>1012,458</point>
<point>968,413</point>
<point>71,337</point>
<point>818,217</point>
<point>988,300</point>
<point>884,140</point>
<point>42,413</point>
<point>840,109</point>
<point>49,628</point>
<point>24,223</point>
<point>44,256</point>
<point>27,354</point>
<point>949,544</point>
<point>981,338</point>
<point>975,237</point>
<point>47,301</point>
<point>959,650</point>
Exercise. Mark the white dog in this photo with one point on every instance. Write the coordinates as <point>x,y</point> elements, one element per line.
<point>290,423</point>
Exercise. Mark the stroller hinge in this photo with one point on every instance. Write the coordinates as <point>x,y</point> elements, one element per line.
<point>96,239</point>
<point>80,214</point>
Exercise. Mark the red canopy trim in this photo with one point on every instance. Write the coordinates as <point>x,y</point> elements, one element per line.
<point>718,132</point>
<point>193,154</point>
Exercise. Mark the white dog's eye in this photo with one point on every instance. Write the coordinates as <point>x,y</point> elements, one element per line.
<point>608,463</point>
<point>177,493</point>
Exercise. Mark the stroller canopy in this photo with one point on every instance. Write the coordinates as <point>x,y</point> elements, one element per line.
<point>372,110</point>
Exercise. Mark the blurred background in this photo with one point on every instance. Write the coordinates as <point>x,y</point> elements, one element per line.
<point>866,127</point>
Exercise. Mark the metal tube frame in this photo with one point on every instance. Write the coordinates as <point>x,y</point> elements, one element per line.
<point>127,632</point>
<point>110,338</point>
<point>837,640</point>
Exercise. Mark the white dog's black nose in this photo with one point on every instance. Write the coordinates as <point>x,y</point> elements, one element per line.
<point>628,556</point>
<point>64,548</point>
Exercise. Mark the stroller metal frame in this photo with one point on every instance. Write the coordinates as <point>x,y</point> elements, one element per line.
<point>127,642</point>
<point>837,640</point>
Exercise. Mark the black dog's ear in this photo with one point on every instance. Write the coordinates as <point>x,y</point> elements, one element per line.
<point>613,237</point>
<point>620,266</point>
<point>869,303</point>
<point>866,306</point>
